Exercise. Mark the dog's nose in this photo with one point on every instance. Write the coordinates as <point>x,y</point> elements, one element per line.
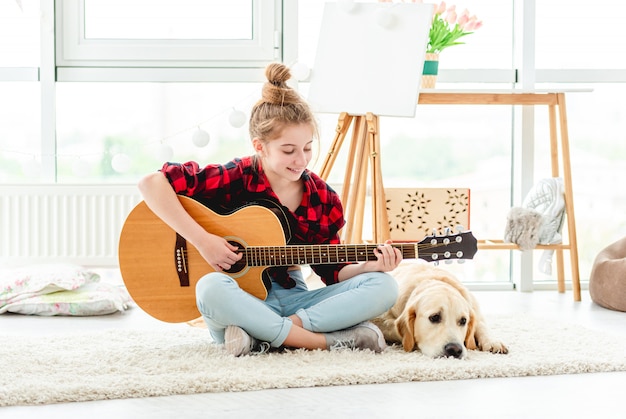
<point>453,349</point>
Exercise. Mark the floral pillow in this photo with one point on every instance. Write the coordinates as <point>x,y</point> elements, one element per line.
<point>25,282</point>
<point>92,299</point>
<point>59,289</point>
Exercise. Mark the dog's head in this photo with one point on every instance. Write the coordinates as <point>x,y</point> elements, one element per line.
<point>438,320</point>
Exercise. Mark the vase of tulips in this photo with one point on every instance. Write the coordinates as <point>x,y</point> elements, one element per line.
<point>447,27</point>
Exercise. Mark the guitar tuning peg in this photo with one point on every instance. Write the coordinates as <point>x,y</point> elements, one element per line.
<point>435,232</point>
<point>449,261</point>
<point>446,231</point>
<point>436,263</point>
<point>460,228</point>
<point>461,261</point>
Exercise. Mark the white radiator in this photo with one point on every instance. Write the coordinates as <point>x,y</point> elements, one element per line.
<point>63,223</point>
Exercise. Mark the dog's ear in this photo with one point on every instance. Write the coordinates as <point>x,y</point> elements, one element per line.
<point>405,325</point>
<point>470,336</point>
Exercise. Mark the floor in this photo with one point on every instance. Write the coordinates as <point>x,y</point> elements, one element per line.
<point>581,395</point>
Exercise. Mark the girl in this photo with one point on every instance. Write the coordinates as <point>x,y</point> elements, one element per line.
<point>282,128</point>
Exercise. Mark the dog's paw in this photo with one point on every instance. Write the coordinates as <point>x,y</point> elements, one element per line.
<point>494,347</point>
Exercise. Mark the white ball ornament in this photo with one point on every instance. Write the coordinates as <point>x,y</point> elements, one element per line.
<point>165,153</point>
<point>300,71</point>
<point>121,163</point>
<point>237,118</point>
<point>200,138</point>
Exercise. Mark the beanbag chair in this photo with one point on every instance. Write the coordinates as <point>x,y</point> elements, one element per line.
<point>607,284</point>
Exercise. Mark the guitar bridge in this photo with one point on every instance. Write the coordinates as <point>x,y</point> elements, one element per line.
<point>180,259</point>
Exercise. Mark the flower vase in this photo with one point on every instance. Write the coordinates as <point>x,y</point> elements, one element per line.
<point>431,69</point>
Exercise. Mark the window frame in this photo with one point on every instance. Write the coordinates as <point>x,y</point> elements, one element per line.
<point>81,59</point>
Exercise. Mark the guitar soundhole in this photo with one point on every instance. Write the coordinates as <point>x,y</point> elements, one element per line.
<point>242,263</point>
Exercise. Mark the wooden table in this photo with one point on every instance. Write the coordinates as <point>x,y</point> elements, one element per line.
<point>559,157</point>
<point>354,184</point>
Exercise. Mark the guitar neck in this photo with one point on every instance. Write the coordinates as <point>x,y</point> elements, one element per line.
<point>319,254</point>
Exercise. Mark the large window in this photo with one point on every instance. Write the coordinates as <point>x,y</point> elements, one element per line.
<point>115,101</point>
<point>19,34</point>
<point>20,140</point>
<point>159,20</point>
<point>168,33</point>
<point>577,35</point>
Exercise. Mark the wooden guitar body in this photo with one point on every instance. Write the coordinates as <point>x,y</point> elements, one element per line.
<point>149,260</point>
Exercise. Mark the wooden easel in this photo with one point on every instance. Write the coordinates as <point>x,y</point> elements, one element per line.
<point>364,152</point>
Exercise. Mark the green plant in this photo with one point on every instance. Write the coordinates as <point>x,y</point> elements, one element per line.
<point>448,26</point>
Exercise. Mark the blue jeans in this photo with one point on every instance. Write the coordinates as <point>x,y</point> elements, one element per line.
<point>222,303</point>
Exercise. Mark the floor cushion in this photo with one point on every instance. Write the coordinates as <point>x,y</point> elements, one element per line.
<point>59,289</point>
<point>607,284</point>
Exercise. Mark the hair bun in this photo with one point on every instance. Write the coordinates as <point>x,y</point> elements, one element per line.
<point>277,74</point>
<point>280,105</point>
<point>276,91</point>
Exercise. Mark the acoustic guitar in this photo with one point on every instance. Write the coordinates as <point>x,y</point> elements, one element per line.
<point>160,269</point>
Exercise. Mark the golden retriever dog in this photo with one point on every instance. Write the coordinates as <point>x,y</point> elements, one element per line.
<point>436,314</point>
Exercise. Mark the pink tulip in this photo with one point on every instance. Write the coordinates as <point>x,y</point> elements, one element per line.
<point>470,24</point>
<point>451,17</point>
<point>441,8</point>
<point>463,19</point>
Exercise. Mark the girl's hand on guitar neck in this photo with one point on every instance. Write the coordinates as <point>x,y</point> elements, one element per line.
<point>218,252</point>
<point>387,258</point>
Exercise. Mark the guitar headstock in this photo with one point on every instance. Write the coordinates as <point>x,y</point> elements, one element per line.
<point>447,247</point>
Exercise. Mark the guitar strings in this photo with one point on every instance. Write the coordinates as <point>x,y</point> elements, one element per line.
<point>312,254</point>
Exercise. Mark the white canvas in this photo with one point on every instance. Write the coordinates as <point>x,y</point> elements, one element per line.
<point>370,58</point>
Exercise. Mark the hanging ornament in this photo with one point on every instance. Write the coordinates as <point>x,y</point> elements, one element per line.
<point>121,163</point>
<point>200,138</point>
<point>237,118</point>
<point>300,71</point>
<point>165,153</point>
<point>385,18</point>
<point>80,168</point>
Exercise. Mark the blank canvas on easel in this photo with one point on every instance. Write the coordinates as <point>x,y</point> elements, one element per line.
<point>370,58</point>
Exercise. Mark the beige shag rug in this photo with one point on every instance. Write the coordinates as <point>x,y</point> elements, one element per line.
<point>119,364</point>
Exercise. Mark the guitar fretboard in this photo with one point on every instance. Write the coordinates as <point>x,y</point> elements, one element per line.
<point>318,254</point>
<point>325,254</point>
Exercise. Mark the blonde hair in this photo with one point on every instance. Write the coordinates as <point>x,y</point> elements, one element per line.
<point>279,106</point>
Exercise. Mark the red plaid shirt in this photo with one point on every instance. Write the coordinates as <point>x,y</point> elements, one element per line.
<point>317,220</point>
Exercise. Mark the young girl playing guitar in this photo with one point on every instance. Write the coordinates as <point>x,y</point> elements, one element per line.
<point>282,128</point>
